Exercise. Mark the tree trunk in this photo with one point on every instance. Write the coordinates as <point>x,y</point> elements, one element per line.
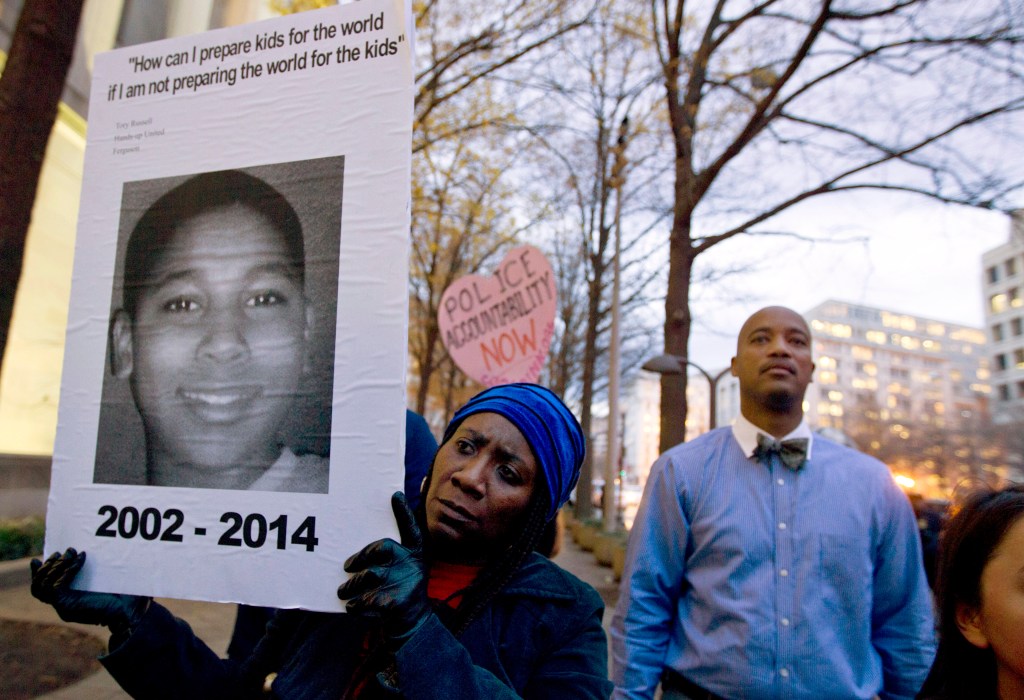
<point>427,364</point>
<point>677,332</point>
<point>30,90</point>
<point>585,485</point>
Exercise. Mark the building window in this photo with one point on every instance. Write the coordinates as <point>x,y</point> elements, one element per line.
<point>993,274</point>
<point>906,323</point>
<point>1014,297</point>
<point>1018,358</point>
<point>826,362</point>
<point>1001,362</point>
<point>1011,267</point>
<point>838,330</point>
<point>864,383</point>
<point>997,303</point>
<point>906,342</point>
<point>1004,392</point>
<point>997,332</point>
<point>1020,389</point>
<point>968,335</point>
<point>1016,327</point>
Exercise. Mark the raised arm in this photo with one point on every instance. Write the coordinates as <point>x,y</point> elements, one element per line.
<point>152,654</point>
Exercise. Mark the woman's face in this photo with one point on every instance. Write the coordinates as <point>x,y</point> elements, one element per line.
<point>999,623</point>
<point>482,482</point>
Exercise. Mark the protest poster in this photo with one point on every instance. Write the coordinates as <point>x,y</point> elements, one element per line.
<point>498,329</point>
<point>231,420</point>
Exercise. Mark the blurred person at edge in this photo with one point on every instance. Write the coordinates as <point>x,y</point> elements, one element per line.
<point>769,562</point>
<point>465,610</point>
<point>980,601</point>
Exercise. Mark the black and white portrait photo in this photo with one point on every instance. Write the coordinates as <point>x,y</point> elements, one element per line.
<point>220,347</point>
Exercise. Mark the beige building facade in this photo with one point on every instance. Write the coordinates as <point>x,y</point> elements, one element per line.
<point>30,379</point>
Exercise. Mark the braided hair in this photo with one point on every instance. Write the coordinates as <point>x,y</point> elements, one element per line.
<point>500,570</point>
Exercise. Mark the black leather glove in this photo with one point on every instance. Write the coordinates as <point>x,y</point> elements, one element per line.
<point>51,583</point>
<point>390,579</point>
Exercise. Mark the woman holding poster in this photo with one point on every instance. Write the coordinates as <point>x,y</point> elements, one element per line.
<point>465,610</point>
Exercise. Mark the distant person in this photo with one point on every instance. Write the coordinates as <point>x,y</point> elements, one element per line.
<point>768,562</point>
<point>420,446</point>
<point>930,518</point>
<point>980,601</point>
<point>212,336</point>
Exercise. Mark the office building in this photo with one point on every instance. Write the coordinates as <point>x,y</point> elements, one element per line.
<point>912,391</point>
<point>1003,285</point>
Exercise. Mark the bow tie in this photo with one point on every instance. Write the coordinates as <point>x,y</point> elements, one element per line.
<point>793,453</point>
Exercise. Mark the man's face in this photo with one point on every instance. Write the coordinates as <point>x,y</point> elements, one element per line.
<point>218,343</point>
<point>773,359</point>
<point>480,487</point>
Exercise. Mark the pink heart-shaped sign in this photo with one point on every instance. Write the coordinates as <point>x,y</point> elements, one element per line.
<point>498,329</point>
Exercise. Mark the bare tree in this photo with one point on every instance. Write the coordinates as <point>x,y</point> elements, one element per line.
<point>848,94</point>
<point>470,45</point>
<point>938,451</point>
<point>464,215</point>
<point>30,90</point>
<point>601,147</point>
<point>467,147</point>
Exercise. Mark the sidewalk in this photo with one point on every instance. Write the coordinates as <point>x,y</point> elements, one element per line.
<point>213,621</point>
<point>583,565</point>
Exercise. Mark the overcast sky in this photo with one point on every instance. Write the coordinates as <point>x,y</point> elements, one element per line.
<point>914,256</point>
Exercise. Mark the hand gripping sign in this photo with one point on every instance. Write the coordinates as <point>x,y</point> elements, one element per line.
<point>498,329</point>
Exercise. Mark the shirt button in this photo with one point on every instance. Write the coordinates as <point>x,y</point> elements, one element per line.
<point>784,672</point>
<point>784,572</point>
<point>782,526</point>
<point>785,622</point>
<point>782,482</point>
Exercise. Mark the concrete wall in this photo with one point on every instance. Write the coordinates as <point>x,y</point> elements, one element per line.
<point>24,485</point>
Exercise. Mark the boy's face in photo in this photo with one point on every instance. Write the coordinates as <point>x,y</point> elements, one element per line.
<point>217,345</point>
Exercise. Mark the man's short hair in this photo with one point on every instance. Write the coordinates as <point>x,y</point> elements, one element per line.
<point>197,195</point>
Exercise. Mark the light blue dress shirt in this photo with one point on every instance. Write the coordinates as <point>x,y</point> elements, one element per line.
<point>755,581</point>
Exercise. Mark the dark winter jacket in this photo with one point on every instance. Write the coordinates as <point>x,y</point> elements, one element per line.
<point>540,637</point>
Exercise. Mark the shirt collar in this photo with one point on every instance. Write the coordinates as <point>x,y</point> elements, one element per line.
<point>746,432</point>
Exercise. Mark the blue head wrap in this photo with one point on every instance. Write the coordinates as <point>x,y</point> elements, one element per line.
<point>549,427</point>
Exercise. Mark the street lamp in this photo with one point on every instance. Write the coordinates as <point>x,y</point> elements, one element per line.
<point>611,469</point>
<point>676,364</point>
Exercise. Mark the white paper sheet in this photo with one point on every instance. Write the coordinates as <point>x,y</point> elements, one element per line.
<point>228,328</point>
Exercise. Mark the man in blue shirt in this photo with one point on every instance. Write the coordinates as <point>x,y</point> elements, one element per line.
<point>767,562</point>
